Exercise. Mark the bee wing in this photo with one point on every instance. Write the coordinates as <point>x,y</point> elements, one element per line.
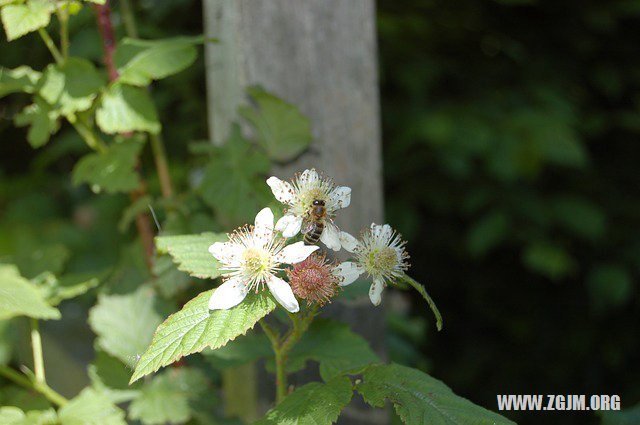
<point>307,225</point>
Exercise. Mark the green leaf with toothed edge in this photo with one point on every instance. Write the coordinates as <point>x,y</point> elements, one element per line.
<point>195,327</point>
<point>19,297</point>
<point>91,407</point>
<point>20,79</point>
<point>420,399</point>
<point>21,19</point>
<point>191,253</point>
<point>124,108</point>
<point>327,401</point>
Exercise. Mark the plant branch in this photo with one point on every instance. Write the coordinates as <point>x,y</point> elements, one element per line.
<point>63,18</point>
<point>418,287</point>
<point>50,394</point>
<point>128,18</point>
<point>50,45</point>
<point>36,346</point>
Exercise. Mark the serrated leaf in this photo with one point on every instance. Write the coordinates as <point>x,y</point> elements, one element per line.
<point>125,323</point>
<point>91,408</point>
<point>19,297</point>
<point>195,327</point>
<point>420,399</point>
<point>312,404</point>
<point>124,108</point>
<point>191,253</point>
<point>334,346</point>
<point>72,86</point>
<point>233,182</point>
<point>140,61</point>
<point>21,19</point>
<point>166,398</point>
<point>279,126</point>
<point>43,121</point>
<point>111,171</point>
<point>20,79</point>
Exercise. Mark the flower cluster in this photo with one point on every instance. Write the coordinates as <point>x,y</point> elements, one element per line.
<point>255,255</point>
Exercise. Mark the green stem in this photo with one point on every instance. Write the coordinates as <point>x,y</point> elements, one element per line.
<point>87,134</point>
<point>63,18</point>
<point>50,394</point>
<point>128,18</point>
<point>281,348</point>
<point>160,158</point>
<point>426,296</point>
<point>36,345</point>
<point>50,45</point>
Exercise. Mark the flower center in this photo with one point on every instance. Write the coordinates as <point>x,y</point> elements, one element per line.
<point>382,260</point>
<point>257,264</point>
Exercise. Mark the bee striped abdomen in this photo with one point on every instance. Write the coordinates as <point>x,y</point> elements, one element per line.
<point>313,236</point>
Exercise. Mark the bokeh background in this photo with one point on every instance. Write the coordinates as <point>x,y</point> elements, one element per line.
<point>511,139</point>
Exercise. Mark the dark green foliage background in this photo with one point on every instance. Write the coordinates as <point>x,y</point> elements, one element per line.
<point>511,150</point>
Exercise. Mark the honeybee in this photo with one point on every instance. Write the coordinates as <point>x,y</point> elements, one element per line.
<point>313,222</point>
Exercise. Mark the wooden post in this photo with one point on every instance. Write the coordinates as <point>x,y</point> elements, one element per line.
<point>321,56</point>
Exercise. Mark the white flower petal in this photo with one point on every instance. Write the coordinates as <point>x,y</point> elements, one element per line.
<point>331,236</point>
<point>375,291</point>
<point>349,272</point>
<point>381,233</point>
<point>263,231</point>
<point>283,294</point>
<point>227,295</point>
<point>289,225</point>
<point>308,178</point>
<point>226,252</point>
<point>340,197</point>
<point>295,253</point>
<point>282,190</point>
<point>348,242</point>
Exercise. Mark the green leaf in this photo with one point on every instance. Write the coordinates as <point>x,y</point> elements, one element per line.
<point>21,19</point>
<point>32,261</point>
<point>20,79</point>
<point>91,408</point>
<point>334,346</point>
<point>312,404</point>
<point>420,399</point>
<point>279,126</point>
<point>580,216</point>
<point>110,377</point>
<point>240,351</point>
<point>72,86</point>
<point>191,253</point>
<point>548,259</point>
<point>233,182</point>
<point>194,328</point>
<point>56,290</point>
<point>96,1</point>
<point>140,206</point>
<point>140,61</point>
<point>125,108</point>
<point>18,297</point>
<point>10,415</point>
<point>169,280</point>
<point>111,171</point>
<point>125,323</point>
<point>43,120</point>
<point>166,398</point>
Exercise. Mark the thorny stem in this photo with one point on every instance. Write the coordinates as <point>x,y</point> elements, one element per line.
<point>36,346</point>
<point>50,45</point>
<point>51,395</point>
<point>282,346</point>
<point>143,224</point>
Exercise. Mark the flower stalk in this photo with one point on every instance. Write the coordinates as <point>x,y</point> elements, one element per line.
<point>36,346</point>
<point>49,393</point>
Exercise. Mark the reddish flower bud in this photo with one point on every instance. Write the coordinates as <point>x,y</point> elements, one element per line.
<point>314,280</point>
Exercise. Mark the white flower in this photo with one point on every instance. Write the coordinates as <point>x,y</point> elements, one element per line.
<point>380,253</point>
<point>251,258</point>
<point>299,196</point>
